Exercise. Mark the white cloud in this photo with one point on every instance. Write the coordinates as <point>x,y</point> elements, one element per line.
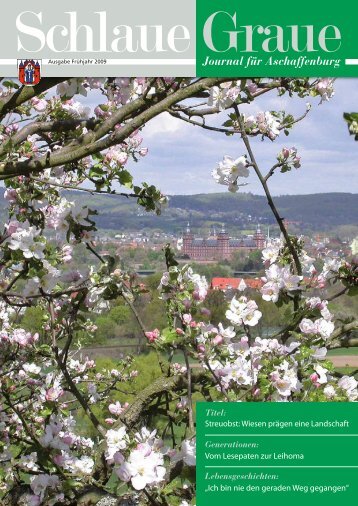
<point>161,125</point>
<point>181,156</point>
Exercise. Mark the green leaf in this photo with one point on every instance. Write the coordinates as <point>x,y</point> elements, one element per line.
<point>96,170</point>
<point>353,291</point>
<point>169,256</point>
<point>350,116</point>
<point>70,484</point>
<point>169,335</point>
<point>170,488</point>
<point>97,156</point>
<point>227,123</point>
<point>45,348</point>
<point>112,483</point>
<point>125,178</point>
<point>11,84</point>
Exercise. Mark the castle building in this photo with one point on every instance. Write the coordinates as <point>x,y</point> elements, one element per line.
<point>221,246</point>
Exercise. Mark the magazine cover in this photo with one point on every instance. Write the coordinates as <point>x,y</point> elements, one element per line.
<point>178,248</point>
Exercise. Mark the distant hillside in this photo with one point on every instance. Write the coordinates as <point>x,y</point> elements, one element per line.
<point>321,212</point>
<point>318,212</point>
<point>325,208</point>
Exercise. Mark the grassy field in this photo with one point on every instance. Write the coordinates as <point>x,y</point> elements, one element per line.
<point>344,351</point>
<point>346,370</point>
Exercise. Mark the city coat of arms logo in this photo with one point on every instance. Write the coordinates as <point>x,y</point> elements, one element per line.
<point>29,72</point>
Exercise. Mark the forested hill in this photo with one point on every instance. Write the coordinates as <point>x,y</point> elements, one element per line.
<point>340,208</point>
<point>320,212</point>
<point>317,212</point>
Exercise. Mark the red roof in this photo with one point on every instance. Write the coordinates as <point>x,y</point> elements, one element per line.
<point>233,283</point>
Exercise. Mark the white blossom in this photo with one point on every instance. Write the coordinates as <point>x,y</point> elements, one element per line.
<point>243,311</point>
<point>229,170</point>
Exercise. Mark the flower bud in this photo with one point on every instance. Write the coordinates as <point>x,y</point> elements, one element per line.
<point>217,340</point>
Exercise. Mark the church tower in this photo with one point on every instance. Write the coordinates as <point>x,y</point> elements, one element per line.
<point>223,244</point>
<point>259,238</point>
<point>187,240</point>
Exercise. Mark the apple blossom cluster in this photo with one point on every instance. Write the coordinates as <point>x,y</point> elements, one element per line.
<point>280,279</point>
<point>324,88</point>
<point>120,90</point>
<point>17,337</point>
<point>186,453</point>
<point>184,291</point>
<point>180,282</point>
<point>322,327</point>
<point>40,254</point>
<point>353,128</point>
<point>256,368</point>
<point>138,459</point>
<point>267,370</point>
<point>277,280</point>
<point>31,421</point>
<point>277,252</point>
<point>243,312</point>
<point>265,123</point>
<point>229,171</point>
<point>224,95</point>
<point>272,251</point>
<point>102,169</point>
<point>76,109</point>
<point>39,239</point>
<point>289,158</point>
<point>125,88</point>
<point>332,266</point>
<point>40,417</point>
<point>243,367</point>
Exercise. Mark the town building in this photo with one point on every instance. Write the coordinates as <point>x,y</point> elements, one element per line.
<point>229,284</point>
<point>219,246</point>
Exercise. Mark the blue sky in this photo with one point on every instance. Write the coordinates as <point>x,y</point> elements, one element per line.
<point>181,156</point>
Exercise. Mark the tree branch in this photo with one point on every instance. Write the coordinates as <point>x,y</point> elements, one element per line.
<point>267,192</point>
<point>347,342</point>
<point>160,386</point>
<point>91,143</point>
<point>190,400</point>
<point>46,126</point>
<point>25,93</point>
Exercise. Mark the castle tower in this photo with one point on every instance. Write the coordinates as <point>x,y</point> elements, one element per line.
<point>223,244</point>
<point>187,240</point>
<point>259,238</point>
